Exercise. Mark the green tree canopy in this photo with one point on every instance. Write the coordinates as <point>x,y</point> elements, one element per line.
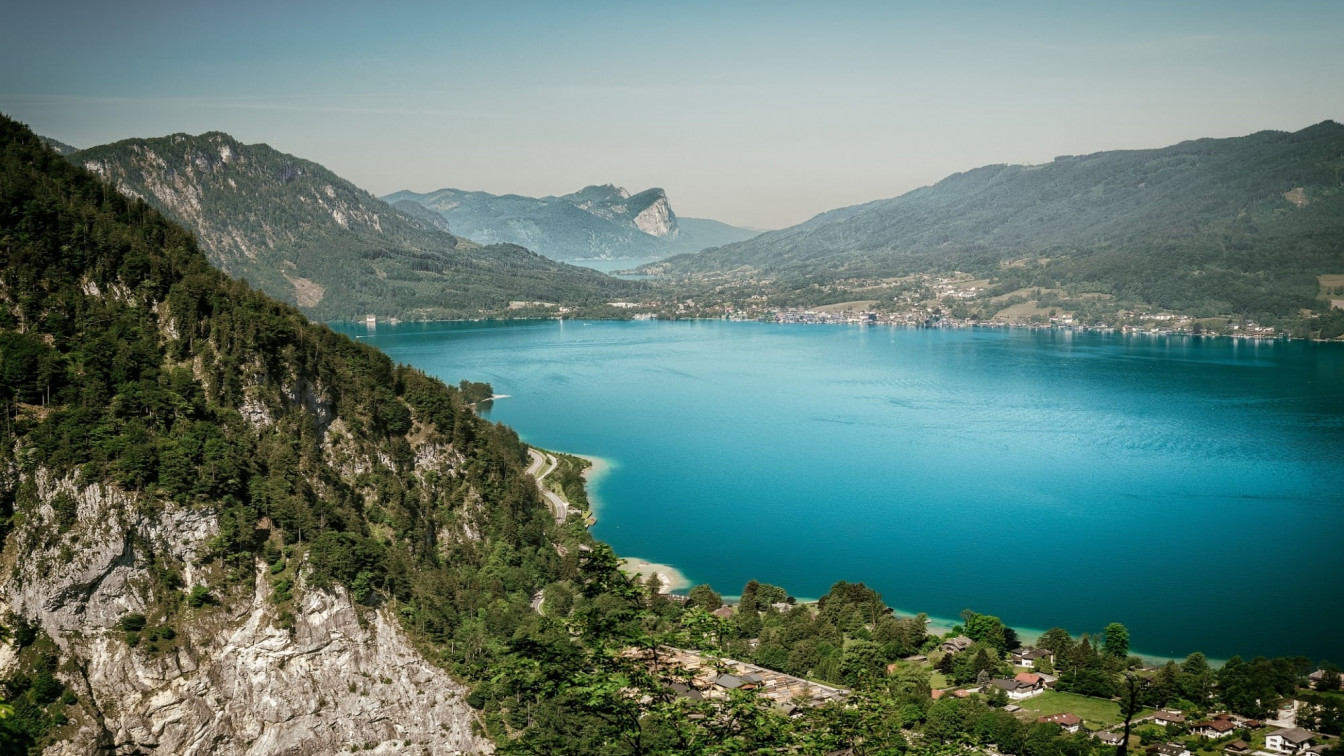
<point>704,597</point>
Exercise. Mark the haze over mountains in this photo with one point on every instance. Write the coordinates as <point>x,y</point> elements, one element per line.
<point>598,222</point>
<point>1240,225</point>
<point>306,236</point>
<point>1211,227</point>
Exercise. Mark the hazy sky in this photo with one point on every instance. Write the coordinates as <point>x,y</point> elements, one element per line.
<point>756,113</point>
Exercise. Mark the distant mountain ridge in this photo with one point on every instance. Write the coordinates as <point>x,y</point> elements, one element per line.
<point>308,237</point>
<point>1243,224</point>
<point>61,147</point>
<point>597,222</point>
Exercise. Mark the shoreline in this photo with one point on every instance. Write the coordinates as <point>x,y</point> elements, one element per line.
<point>988,325</point>
<point>670,577</point>
<point>673,580</point>
<point>599,468</point>
<point>1029,635</point>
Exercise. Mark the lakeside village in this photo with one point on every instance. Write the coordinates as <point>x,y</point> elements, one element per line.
<point>964,302</point>
<point>923,301</point>
<point>1029,694</point>
<point>926,316</point>
<point>1060,686</point>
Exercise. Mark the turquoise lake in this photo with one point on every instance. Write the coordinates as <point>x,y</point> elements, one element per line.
<point>1192,489</point>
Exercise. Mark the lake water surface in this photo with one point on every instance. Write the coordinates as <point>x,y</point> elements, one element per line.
<point>1192,489</point>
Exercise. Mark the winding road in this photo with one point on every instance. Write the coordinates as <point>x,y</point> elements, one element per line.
<point>559,507</point>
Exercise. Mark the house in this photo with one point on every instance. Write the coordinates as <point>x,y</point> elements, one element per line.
<point>1027,657</point>
<point>1172,749</point>
<point>1066,721</point>
<point>1165,718</point>
<point>735,682</point>
<point>682,690</point>
<point>1314,679</point>
<point>723,612</point>
<point>1292,740</point>
<point>956,645</point>
<point>936,694</point>
<point>1110,738</point>
<point>1214,728</point>
<point>1236,748</point>
<point>1023,686</point>
<point>915,658</point>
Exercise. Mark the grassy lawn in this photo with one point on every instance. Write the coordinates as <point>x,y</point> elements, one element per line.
<point>1096,712</point>
<point>938,680</point>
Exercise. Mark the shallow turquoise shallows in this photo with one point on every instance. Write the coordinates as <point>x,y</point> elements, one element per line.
<point>1192,489</point>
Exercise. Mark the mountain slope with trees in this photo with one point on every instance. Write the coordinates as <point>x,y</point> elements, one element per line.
<point>198,484</point>
<point>1212,226</point>
<point>307,237</point>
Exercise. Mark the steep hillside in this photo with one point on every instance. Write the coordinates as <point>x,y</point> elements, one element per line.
<point>1241,225</point>
<point>225,529</point>
<point>602,222</point>
<point>61,147</point>
<point>307,237</point>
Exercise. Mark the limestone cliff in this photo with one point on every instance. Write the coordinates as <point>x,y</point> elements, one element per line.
<point>656,219</point>
<point>234,680</point>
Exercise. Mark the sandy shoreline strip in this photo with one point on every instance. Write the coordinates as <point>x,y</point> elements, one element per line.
<point>669,576</point>
<point>592,479</point>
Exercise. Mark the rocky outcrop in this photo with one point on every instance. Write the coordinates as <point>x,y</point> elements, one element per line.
<point>234,681</point>
<point>657,219</point>
<point>597,222</point>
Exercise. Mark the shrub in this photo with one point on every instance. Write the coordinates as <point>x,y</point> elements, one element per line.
<point>199,597</point>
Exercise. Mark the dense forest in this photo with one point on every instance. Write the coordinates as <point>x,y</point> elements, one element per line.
<point>127,360</point>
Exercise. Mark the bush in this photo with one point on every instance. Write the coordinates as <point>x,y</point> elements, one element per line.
<point>46,688</point>
<point>199,597</point>
<point>340,557</point>
<point>133,622</point>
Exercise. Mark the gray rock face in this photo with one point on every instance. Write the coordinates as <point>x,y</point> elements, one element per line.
<point>235,681</point>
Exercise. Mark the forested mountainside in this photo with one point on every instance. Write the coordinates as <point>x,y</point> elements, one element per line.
<point>1213,226</point>
<point>604,222</point>
<point>228,530</point>
<point>307,237</point>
